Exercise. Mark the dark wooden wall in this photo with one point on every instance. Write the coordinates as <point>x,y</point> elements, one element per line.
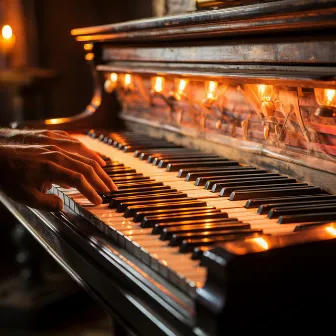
<point>71,90</point>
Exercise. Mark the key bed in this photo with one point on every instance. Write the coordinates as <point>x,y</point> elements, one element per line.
<point>174,203</point>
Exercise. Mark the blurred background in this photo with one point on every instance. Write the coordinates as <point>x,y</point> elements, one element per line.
<point>43,74</point>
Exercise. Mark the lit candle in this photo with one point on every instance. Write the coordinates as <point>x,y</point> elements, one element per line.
<point>158,84</point>
<point>211,90</point>
<point>127,80</point>
<point>7,42</point>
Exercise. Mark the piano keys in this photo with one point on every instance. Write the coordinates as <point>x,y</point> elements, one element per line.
<point>186,215</point>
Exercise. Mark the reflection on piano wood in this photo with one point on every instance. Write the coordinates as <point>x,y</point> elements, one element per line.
<point>225,166</point>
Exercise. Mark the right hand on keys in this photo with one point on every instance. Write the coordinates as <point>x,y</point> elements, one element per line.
<point>28,171</point>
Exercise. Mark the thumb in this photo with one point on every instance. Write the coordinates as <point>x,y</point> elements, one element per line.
<point>45,202</point>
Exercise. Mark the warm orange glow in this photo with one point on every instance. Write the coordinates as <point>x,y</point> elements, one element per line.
<point>265,92</point>
<point>114,77</point>
<point>128,80</point>
<point>182,86</point>
<point>261,242</point>
<point>211,90</point>
<point>57,121</point>
<point>88,46</point>
<point>325,97</point>
<point>329,96</point>
<point>89,56</point>
<point>158,84</point>
<point>7,32</point>
<point>331,230</point>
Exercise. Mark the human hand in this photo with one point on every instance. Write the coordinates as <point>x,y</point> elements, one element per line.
<point>28,171</point>
<point>60,139</point>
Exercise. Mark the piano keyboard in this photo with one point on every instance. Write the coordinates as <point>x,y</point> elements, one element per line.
<point>174,203</point>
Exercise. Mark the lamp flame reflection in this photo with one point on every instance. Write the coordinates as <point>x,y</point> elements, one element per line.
<point>261,242</point>
<point>331,230</point>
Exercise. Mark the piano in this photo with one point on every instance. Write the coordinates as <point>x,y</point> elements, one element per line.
<point>219,128</point>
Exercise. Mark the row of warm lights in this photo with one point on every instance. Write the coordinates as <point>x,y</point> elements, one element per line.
<point>158,85</point>
<point>324,97</point>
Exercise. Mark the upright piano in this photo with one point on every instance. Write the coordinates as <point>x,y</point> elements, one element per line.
<point>219,128</point>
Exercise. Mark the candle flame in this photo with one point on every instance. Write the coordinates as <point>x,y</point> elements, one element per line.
<point>330,95</point>
<point>114,77</point>
<point>159,81</point>
<point>182,85</point>
<point>128,80</point>
<point>212,87</point>
<point>265,92</point>
<point>7,32</point>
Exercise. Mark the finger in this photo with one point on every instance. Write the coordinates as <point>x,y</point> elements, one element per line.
<point>77,147</point>
<point>98,169</point>
<point>60,175</point>
<point>38,200</point>
<point>78,166</point>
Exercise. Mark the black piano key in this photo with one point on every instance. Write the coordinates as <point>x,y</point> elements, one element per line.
<point>120,171</point>
<point>168,232</point>
<point>227,191</point>
<point>256,202</point>
<point>234,170</point>
<point>310,225</point>
<point>164,163</point>
<point>129,148</point>
<point>123,206</point>
<point>130,179</point>
<point>203,224</point>
<point>149,222</point>
<point>178,156</point>
<point>171,167</point>
<point>128,192</point>
<point>129,176</point>
<point>143,154</point>
<point>226,187</point>
<point>330,216</point>
<point>239,195</point>
<point>298,210</point>
<point>150,196</point>
<point>265,208</point>
<point>132,210</point>
<point>142,214</point>
<point>139,185</point>
<point>189,244</point>
<point>198,252</point>
<point>208,182</point>
<point>178,238</point>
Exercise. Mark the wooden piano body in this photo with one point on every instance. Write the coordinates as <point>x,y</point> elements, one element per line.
<point>255,84</point>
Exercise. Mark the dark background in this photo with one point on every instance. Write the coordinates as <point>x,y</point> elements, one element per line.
<point>44,41</point>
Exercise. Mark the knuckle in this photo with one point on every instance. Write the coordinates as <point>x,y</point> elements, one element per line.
<point>78,178</point>
<point>52,148</point>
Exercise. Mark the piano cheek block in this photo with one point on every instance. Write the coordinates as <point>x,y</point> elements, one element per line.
<point>246,270</point>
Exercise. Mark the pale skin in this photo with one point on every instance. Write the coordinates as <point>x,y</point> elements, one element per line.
<point>32,160</point>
